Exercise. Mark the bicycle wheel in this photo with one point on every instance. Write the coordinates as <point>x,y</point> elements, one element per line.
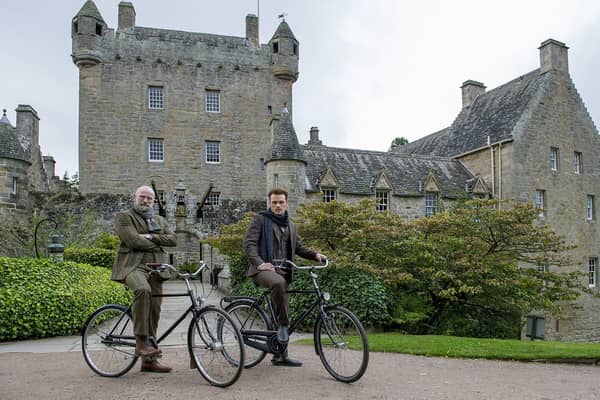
<point>108,342</point>
<point>249,318</point>
<point>342,344</point>
<point>215,345</point>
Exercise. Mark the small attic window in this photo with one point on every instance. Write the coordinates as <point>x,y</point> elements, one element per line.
<point>275,47</point>
<point>75,26</point>
<point>99,29</point>
<point>295,49</point>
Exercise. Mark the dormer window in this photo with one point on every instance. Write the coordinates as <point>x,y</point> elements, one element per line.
<point>99,29</point>
<point>295,49</point>
<point>275,47</point>
<point>75,26</point>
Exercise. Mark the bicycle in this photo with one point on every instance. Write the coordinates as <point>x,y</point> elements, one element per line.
<point>213,339</point>
<point>336,329</point>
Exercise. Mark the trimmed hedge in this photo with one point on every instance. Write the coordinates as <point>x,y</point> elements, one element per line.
<point>93,256</point>
<point>42,298</point>
<point>359,291</point>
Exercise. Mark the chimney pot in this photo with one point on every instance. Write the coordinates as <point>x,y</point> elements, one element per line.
<point>314,137</point>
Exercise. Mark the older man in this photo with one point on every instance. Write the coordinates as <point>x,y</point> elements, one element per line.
<point>143,236</point>
<point>270,236</point>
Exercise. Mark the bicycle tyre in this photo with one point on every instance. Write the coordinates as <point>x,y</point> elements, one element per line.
<point>108,341</point>
<point>332,333</point>
<point>215,345</point>
<point>249,317</point>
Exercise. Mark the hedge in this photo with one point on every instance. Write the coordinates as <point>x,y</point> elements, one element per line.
<point>42,298</point>
<point>93,256</point>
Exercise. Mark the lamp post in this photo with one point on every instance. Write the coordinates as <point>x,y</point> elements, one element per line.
<point>56,249</point>
<point>36,230</point>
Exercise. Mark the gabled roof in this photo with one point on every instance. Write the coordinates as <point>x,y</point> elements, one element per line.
<point>285,144</point>
<point>283,31</point>
<point>89,9</point>
<point>357,171</point>
<point>10,147</point>
<point>493,114</point>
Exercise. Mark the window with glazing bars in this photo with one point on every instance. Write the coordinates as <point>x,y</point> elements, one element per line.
<point>156,151</point>
<point>156,100</point>
<point>592,263</point>
<point>577,166</point>
<point>431,200</point>
<point>382,200</point>
<point>213,152</point>
<point>328,195</point>
<point>540,201</point>
<point>213,101</point>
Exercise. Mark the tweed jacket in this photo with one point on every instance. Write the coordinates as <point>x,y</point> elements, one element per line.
<point>252,243</point>
<point>129,225</point>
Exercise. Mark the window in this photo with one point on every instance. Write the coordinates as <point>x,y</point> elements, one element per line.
<point>99,29</point>
<point>295,49</point>
<point>213,101</point>
<point>213,152</point>
<point>275,47</point>
<point>275,180</point>
<point>14,185</point>
<point>328,195</point>
<point>261,165</point>
<point>212,199</point>
<point>430,204</point>
<point>382,200</point>
<point>590,207</point>
<point>156,150</point>
<point>156,100</point>
<point>577,167</point>
<point>592,263</point>
<point>540,201</point>
<point>554,158</point>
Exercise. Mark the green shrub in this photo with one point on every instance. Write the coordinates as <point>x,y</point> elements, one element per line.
<point>107,241</point>
<point>41,298</point>
<point>93,256</point>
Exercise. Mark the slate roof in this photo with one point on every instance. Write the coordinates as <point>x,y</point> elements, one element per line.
<point>494,113</point>
<point>285,144</point>
<point>357,170</point>
<point>89,9</point>
<point>10,147</point>
<point>283,31</point>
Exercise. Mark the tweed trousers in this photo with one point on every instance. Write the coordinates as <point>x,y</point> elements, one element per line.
<point>144,285</point>
<point>278,286</point>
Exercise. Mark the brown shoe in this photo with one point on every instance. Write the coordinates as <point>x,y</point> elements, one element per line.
<point>147,352</point>
<point>154,366</point>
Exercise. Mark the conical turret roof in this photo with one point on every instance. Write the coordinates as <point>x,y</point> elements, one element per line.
<point>285,144</point>
<point>283,31</point>
<point>89,9</point>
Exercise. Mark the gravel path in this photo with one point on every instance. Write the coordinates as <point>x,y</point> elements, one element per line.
<point>389,376</point>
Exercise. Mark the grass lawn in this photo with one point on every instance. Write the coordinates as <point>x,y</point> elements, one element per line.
<point>452,346</point>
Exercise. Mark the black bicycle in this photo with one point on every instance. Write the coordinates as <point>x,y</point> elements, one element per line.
<point>339,337</point>
<point>213,340</point>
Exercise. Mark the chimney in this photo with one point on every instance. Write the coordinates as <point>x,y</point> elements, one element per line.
<point>314,137</point>
<point>553,56</point>
<point>27,127</point>
<point>252,29</point>
<point>470,91</point>
<point>49,166</point>
<point>274,125</point>
<point>126,15</point>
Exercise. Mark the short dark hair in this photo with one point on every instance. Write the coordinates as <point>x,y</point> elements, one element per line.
<point>278,191</point>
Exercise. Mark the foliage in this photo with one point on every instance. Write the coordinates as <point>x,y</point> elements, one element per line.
<point>41,298</point>
<point>107,241</point>
<point>397,142</point>
<point>458,272</point>
<point>93,256</point>
<point>355,289</point>
<point>15,233</point>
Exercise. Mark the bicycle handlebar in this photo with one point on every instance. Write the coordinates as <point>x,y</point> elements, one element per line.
<point>159,267</point>
<point>283,263</point>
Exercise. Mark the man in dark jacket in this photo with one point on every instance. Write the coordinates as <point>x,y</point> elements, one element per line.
<point>271,236</point>
<point>143,236</point>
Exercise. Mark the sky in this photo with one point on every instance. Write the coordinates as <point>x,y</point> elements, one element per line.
<point>370,71</point>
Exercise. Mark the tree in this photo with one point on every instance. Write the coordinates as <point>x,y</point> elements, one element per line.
<point>399,141</point>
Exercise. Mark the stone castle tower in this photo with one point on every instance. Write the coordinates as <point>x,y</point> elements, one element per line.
<point>178,107</point>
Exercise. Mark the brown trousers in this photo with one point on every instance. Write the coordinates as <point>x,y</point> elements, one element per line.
<point>278,286</point>
<point>145,308</point>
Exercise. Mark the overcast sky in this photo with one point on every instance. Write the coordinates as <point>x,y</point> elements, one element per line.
<point>369,70</point>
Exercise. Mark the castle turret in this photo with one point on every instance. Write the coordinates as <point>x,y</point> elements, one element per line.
<point>284,53</point>
<point>286,167</point>
<point>87,29</point>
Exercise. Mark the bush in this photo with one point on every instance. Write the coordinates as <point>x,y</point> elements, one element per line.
<point>42,298</point>
<point>107,241</point>
<point>93,256</point>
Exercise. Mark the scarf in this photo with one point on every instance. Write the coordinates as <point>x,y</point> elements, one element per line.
<point>266,242</point>
<point>148,214</point>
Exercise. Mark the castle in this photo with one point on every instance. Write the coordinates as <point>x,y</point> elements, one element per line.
<point>208,120</point>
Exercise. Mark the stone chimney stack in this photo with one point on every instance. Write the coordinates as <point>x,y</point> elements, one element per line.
<point>27,127</point>
<point>314,137</point>
<point>470,91</point>
<point>126,15</point>
<point>553,56</point>
<point>252,29</point>
<point>49,166</point>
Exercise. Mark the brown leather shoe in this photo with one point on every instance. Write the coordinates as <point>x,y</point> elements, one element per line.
<point>147,352</point>
<point>154,366</point>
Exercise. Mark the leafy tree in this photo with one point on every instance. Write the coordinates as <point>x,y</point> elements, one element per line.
<point>399,141</point>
